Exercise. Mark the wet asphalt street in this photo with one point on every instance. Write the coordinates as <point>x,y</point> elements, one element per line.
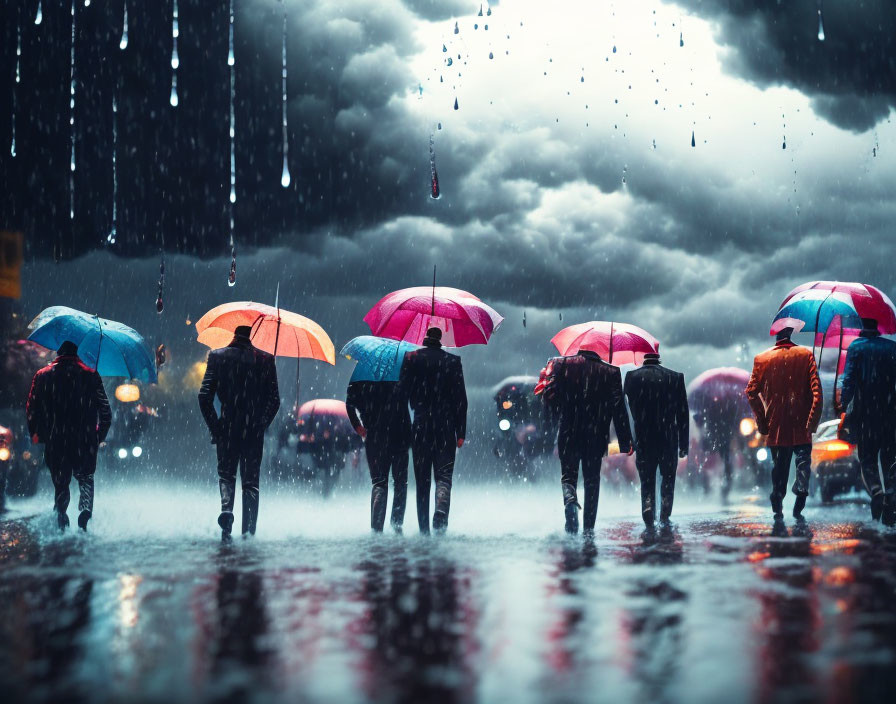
<point>150,607</point>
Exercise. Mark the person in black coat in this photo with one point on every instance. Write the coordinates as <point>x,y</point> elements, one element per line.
<point>385,425</point>
<point>659,405</point>
<point>432,381</point>
<point>68,411</point>
<point>585,394</point>
<point>244,379</point>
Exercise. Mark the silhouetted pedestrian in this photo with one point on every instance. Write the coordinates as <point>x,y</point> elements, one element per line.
<point>244,379</point>
<point>868,394</point>
<point>432,381</point>
<point>68,411</point>
<point>785,395</point>
<point>659,404</point>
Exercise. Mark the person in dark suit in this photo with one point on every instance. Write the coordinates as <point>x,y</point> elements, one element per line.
<point>244,379</point>
<point>432,381</point>
<point>868,394</point>
<point>659,405</point>
<point>385,425</point>
<point>68,411</point>
<point>585,394</point>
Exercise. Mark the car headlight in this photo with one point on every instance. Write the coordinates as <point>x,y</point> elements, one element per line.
<point>4,454</point>
<point>747,427</point>
<point>504,424</point>
<point>137,451</point>
<point>122,453</point>
<point>762,454</point>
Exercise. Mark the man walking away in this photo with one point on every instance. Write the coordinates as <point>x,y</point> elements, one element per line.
<point>432,381</point>
<point>244,379</point>
<point>868,396</point>
<point>785,395</point>
<point>659,405</point>
<point>68,411</point>
<point>585,394</point>
<point>385,425</point>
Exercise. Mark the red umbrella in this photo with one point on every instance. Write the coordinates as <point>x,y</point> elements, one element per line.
<point>618,343</point>
<point>869,301</point>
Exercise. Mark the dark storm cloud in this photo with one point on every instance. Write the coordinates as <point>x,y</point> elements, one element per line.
<point>851,75</point>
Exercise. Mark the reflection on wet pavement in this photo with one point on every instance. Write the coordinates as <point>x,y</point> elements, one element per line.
<point>721,606</point>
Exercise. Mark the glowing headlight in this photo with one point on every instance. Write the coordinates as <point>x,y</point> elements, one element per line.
<point>137,451</point>
<point>747,427</point>
<point>122,453</point>
<point>762,454</point>
<point>504,424</point>
<point>4,454</point>
<point>507,405</point>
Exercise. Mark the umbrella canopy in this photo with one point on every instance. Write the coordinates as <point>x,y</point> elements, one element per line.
<point>839,336</point>
<point>377,358</point>
<point>867,300</point>
<point>279,332</point>
<point>618,343</point>
<point>113,349</point>
<point>813,310</point>
<point>408,313</point>
<point>719,386</point>
<point>323,407</point>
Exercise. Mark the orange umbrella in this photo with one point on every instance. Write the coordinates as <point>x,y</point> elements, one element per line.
<point>278,332</point>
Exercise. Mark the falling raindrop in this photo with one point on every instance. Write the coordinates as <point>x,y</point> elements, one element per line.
<point>39,17</point>
<point>820,22</point>
<point>435,193</point>
<point>18,52</point>
<point>284,177</point>
<point>681,39</point>
<point>693,140</point>
<point>440,125</point>
<point>71,121</point>
<point>231,62</point>
<point>784,143</point>
<point>231,277</point>
<point>491,55</point>
<point>455,103</point>
<point>160,304</point>
<point>524,318</point>
<point>450,61</point>
<point>230,59</point>
<point>456,28</point>
<point>175,61</point>
<point>123,44</point>
<point>624,172</point>
<point>560,315</point>
<point>489,12</point>
<point>113,234</point>
<point>86,3</point>
<point>614,48</point>
<point>480,10</point>
<point>444,49</point>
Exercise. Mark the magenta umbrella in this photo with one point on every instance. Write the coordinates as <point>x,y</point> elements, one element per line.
<point>618,343</point>
<point>408,313</point>
<point>722,385</point>
<point>868,301</point>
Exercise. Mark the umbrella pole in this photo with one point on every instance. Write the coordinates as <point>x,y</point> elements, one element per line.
<point>432,310</point>
<point>611,342</point>
<point>100,345</point>
<point>837,368</point>
<point>298,362</point>
<point>818,317</point>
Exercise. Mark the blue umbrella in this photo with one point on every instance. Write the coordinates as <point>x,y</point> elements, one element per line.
<point>378,359</point>
<point>111,348</point>
<point>815,309</point>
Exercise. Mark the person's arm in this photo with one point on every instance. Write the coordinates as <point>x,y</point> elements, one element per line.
<point>817,397</point>
<point>104,413</point>
<point>848,380</point>
<point>34,409</point>
<point>460,405</point>
<point>207,397</point>
<point>351,408</point>
<point>273,392</point>
<point>620,414</point>
<point>683,414</point>
<point>756,404</point>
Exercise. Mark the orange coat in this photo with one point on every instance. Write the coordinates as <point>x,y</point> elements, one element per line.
<point>785,394</point>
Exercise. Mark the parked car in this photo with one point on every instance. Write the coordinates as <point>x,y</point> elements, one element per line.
<point>835,463</point>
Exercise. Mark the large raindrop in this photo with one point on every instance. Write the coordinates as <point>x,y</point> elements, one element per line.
<point>123,44</point>
<point>160,303</point>
<point>71,122</point>
<point>693,139</point>
<point>820,22</point>
<point>435,193</point>
<point>113,233</point>
<point>232,63</point>
<point>175,61</point>
<point>39,17</point>
<point>284,177</point>
<point>12,144</point>
<point>231,277</point>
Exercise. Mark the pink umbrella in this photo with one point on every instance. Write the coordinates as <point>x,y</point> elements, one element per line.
<point>618,343</point>
<point>869,301</point>
<point>408,313</point>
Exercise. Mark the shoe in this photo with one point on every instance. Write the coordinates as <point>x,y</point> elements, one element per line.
<point>439,521</point>
<point>225,520</point>
<point>588,534</point>
<point>83,517</point>
<point>572,519</point>
<point>877,506</point>
<point>62,520</point>
<point>798,505</point>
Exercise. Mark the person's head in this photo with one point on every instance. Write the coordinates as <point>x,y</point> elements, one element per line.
<point>653,357</point>
<point>784,334</point>
<point>243,331</point>
<point>67,348</point>
<point>433,338</point>
<point>869,324</point>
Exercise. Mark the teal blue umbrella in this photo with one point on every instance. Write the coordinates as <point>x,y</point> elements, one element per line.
<point>378,359</point>
<point>113,349</point>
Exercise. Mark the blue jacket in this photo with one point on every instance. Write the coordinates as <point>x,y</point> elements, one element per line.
<point>869,384</point>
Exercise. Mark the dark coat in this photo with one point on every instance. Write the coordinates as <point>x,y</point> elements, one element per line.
<point>432,381</point>
<point>659,405</point>
<point>67,407</point>
<point>585,394</point>
<point>383,415</point>
<point>785,394</point>
<point>869,384</point>
<point>244,379</point>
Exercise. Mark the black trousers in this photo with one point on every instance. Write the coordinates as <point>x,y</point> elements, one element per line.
<point>432,459</point>
<point>874,448</point>
<point>244,453</point>
<point>569,481</point>
<point>781,457</point>
<point>63,466</point>
<point>383,456</point>
<point>648,460</point>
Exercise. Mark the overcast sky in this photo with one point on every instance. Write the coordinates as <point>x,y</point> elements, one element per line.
<point>569,182</point>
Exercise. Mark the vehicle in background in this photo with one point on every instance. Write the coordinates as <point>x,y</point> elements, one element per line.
<point>131,419</point>
<point>835,463</point>
<point>20,464</point>
<point>523,429</point>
